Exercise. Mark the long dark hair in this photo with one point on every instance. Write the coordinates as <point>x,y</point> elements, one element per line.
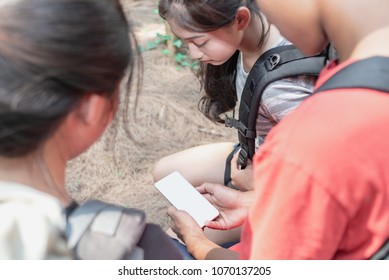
<point>51,54</point>
<point>218,82</point>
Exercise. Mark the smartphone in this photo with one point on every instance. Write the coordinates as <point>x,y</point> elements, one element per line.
<point>185,197</point>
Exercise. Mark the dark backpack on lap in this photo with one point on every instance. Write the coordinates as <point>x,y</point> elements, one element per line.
<point>99,230</point>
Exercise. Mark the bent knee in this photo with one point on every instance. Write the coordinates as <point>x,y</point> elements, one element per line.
<point>160,170</point>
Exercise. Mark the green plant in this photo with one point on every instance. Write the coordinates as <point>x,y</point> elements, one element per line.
<point>178,53</point>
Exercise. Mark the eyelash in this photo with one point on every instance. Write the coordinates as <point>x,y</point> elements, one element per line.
<point>201,45</point>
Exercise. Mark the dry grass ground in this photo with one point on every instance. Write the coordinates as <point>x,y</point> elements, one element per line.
<point>118,170</point>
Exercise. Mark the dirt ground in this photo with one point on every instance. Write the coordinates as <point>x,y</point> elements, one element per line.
<point>117,169</point>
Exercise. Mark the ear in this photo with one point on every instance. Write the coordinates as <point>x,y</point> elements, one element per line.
<point>243,17</point>
<point>95,110</point>
<point>87,122</point>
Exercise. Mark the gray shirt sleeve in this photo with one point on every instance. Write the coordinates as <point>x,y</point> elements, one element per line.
<point>279,99</point>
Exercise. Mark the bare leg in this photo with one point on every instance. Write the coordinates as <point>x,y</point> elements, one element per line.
<point>198,165</point>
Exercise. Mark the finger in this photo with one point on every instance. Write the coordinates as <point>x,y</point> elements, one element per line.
<point>234,183</point>
<point>249,164</point>
<point>172,212</point>
<point>214,225</point>
<point>207,196</point>
<point>210,188</point>
<point>206,188</point>
<point>178,215</point>
<point>201,189</point>
<point>234,159</point>
<point>176,232</point>
<point>234,165</point>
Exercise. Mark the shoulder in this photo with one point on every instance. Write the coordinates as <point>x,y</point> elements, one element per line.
<point>32,224</point>
<point>303,84</point>
<point>283,96</point>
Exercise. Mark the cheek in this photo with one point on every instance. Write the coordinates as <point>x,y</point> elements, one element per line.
<point>220,50</point>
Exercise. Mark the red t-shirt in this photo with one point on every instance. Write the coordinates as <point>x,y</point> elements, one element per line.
<point>322,179</point>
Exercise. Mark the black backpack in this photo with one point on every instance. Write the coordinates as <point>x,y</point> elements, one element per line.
<point>275,64</point>
<point>98,230</point>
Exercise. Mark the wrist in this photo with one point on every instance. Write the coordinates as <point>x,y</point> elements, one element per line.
<point>200,247</point>
<point>247,199</point>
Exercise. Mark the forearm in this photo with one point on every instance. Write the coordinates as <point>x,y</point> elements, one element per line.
<point>247,199</point>
<point>200,247</point>
<point>222,254</point>
<point>205,249</point>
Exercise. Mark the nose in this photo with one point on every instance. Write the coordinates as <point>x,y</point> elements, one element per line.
<point>194,51</point>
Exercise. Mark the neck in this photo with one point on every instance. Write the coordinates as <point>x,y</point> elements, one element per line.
<point>355,37</point>
<point>43,171</point>
<point>250,48</point>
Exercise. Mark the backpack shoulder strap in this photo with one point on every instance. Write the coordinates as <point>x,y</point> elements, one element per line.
<point>275,64</point>
<point>383,252</point>
<point>372,73</point>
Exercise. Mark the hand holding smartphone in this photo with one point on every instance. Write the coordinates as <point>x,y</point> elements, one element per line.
<point>185,197</point>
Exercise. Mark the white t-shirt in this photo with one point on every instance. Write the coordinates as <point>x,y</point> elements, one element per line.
<point>32,224</point>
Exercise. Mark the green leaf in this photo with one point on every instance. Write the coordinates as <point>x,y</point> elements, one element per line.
<point>179,57</point>
<point>151,45</point>
<point>195,65</point>
<point>164,37</point>
<point>177,43</point>
<point>166,51</point>
<point>160,36</point>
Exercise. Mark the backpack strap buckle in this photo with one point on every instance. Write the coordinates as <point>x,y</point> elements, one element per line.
<point>242,158</point>
<point>273,61</point>
<point>231,122</point>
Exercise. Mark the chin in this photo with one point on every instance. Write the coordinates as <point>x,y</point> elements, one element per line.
<point>216,63</point>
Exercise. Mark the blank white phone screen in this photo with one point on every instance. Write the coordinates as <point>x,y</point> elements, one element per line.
<point>185,197</point>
